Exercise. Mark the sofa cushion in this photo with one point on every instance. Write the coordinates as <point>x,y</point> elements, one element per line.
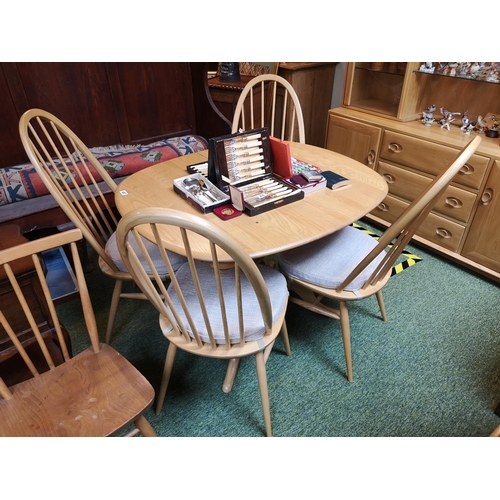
<point>22,182</point>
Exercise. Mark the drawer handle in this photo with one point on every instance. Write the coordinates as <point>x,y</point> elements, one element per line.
<point>395,147</point>
<point>383,207</point>
<point>444,233</point>
<point>389,178</point>
<point>487,196</point>
<point>371,157</point>
<point>467,169</point>
<point>453,202</point>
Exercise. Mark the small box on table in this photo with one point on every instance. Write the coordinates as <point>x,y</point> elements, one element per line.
<point>242,165</point>
<point>200,193</point>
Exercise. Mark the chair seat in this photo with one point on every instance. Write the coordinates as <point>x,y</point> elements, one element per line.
<point>112,250</point>
<point>328,261</point>
<point>89,395</point>
<point>254,325</point>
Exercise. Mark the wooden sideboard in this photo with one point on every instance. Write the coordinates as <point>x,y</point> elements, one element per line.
<point>380,125</point>
<point>313,83</point>
<point>463,225</point>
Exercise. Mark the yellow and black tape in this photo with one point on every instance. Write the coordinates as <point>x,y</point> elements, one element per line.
<point>411,259</point>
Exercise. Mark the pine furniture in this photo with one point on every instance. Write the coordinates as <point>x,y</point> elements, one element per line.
<point>72,175</point>
<point>94,393</point>
<point>349,265</point>
<point>270,101</point>
<point>318,214</point>
<point>379,124</point>
<point>207,309</point>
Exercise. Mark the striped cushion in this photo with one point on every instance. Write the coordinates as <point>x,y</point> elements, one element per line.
<point>327,262</point>
<point>254,325</point>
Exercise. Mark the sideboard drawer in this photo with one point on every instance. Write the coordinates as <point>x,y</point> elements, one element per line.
<point>455,203</point>
<point>439,230</point>
<point>431,158</point>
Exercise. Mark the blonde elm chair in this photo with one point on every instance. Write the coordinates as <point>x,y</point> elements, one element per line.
<point>95,393</point>
<point>270,101</point>
<point>350,265</point>
<point>225,308</point>
<point>73,176</point>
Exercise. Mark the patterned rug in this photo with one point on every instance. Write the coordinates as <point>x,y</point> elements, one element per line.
<point>21,182</point>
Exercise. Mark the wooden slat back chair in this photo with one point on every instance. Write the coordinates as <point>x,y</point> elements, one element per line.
<point>270,101</point>
<point>95,393</point>
<point>226,308</point>
<point>350,265</point>
<point>63,163</point>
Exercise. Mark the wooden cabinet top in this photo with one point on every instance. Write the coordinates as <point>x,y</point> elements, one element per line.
<point>293,66</point>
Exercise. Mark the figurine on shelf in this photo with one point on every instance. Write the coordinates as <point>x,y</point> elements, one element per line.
<point>481,125</point>
<point>463,68</point>
<point>470,128</point>
<point>453,68</point>
<point>427,68</point>
<point>428,115</point>
<point>448,117</point>
<point>465,121</point>
<point>493,130</point>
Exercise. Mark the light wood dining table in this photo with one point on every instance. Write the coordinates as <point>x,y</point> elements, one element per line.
<point>318,214</point>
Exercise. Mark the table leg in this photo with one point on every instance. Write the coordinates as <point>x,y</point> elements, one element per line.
<point>232,370</point>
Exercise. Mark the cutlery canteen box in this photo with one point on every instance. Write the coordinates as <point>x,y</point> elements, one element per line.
<point>241,165</point>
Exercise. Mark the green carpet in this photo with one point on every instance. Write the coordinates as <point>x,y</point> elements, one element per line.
<point>433,369</point>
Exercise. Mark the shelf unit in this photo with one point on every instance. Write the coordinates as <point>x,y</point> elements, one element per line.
<point>379,124</point>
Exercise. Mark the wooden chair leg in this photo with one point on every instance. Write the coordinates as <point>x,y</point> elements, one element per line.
<point>264,393</point>
<point>231,372</point>
<point>145,427</point>
<point>346,337</point>
<point>167,371</point>
<point>381,305</point>
<point>115,299</point>
<point>286,341</point>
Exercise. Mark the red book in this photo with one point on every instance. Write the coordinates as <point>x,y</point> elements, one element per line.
<point>282,158</point>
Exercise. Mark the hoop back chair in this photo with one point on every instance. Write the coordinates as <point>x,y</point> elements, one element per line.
<point>95,393</point>
<point>228,307</point>
<point>350,265</point>
<point>277,107</point>
<point>72,175</point>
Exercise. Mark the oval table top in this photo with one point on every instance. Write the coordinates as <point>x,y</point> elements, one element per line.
<point>318,214</point>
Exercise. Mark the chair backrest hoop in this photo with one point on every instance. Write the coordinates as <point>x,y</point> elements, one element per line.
<point>401,231</point>
<point>51,147</point>
<point>290,119</point>
<point>194,230</point>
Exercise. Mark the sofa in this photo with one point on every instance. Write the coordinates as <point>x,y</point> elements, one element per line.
<point>26,202</point>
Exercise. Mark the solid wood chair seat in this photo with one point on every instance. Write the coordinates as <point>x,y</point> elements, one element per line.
<point>77,398</point>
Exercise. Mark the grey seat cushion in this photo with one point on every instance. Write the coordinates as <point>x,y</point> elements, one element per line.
<point>112,250</point>
<point>328,261</point>
<point>254,325</point>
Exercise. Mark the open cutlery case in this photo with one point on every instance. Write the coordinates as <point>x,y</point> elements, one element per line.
<point>241,165</point>
<point>200,193</point>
